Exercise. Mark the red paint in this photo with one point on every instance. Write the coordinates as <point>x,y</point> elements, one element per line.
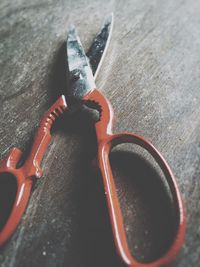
<point>106,141</point>
<point>31,168</point>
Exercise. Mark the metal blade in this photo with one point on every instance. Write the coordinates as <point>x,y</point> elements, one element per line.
<point>100,44</point>
<point>81,76</point>
<point>83,69</point>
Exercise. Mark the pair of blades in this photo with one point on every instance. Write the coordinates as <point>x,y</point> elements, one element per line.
<point>83,68</point>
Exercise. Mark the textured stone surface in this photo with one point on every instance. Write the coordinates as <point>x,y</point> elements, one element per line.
<point>151,75</point>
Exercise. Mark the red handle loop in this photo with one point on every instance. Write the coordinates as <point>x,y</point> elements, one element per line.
<point>31,168</point>
<point>114,206</point>
<point>106,140</point>
<point>24,185</point>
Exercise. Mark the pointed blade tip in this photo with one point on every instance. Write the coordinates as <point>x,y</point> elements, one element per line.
<point>109,19</point>
<point>72,33</point>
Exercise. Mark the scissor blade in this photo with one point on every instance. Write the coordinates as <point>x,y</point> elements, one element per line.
<point>81,76</point>
<point>100,44</point>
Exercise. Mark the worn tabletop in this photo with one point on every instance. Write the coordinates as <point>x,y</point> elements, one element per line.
<point>151,75</point>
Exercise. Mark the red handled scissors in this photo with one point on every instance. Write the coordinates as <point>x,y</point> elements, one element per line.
<point>83,69</point>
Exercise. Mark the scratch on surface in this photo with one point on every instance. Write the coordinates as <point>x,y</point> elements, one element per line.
<point>11,96</point>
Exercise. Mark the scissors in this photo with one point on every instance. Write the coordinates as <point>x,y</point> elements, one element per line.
<point>83,69</point>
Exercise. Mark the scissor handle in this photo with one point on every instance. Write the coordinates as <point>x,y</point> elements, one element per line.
<point>22,193</point>
<point>106,141</point>
<point>31,168</point>
<point>114,205</point>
